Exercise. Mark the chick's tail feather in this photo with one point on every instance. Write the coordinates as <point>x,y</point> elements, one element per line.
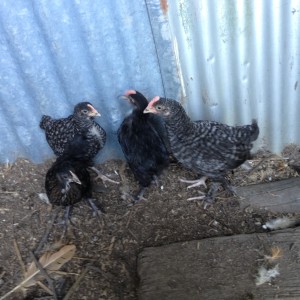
<point>255,130</point>
<point>44,121</point>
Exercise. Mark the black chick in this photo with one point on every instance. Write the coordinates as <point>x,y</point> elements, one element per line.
<point>75,131</point>
<point>68,182</point>
<point>141,141</point>
<point>206,147</point>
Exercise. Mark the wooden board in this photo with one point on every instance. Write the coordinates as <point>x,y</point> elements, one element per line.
<point>278,196</point>
<point>220,268</point>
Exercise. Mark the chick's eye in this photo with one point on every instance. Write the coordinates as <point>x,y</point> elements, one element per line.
<point>85,111</point>
<point>158,107</point>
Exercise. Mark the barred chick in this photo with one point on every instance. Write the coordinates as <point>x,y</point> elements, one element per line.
<point>61,132</point>
<point>208,148</point>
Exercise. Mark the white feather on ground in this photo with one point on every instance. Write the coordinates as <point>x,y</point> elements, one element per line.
<point>265,275</point>
<point>281,223</point>
<point>44,198</point>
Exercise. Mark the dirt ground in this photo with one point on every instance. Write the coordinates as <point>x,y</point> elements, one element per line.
<point>107,248</point>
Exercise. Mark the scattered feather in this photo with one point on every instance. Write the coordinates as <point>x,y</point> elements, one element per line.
<point>281,223</point>
<point>44,198</point>
<point>265,275</point>
<point>276,253</point>
<point>51,262</point>
<point>4,209</point>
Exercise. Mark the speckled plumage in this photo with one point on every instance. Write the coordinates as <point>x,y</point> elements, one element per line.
<point>142,142</point>
<point>209,148</point>
<point>61,133</point>
<point>55,182</point>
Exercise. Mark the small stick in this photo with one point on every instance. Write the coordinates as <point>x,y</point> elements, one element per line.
<point>132,234</point>
<point>65,273</point>
<point>50,281</point>
<point>17,250</point>
<point>129,219</point>
<point>45,288</point>
<point>45,236</point>
<point>76,284</point>
<point>108,276</point>
<point>111,246</point>
<point>260,163</point>
<point>19,257</point>
<point>8,192</point>
<point>84,258</point>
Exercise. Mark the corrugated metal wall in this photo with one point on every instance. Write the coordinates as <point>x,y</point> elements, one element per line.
<point>56,53</point>
<point>239,59</point>
<point>226,60</point>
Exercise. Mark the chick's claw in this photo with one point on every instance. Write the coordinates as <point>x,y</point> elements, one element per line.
<point>195,183</point>
<point>196,198</point>
<point>139,197</point>
<point>103,177</point>
<point>206,200</point>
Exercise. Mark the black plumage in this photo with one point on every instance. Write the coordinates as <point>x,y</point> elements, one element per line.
<point>78,134</point>
<point>68,182</point>
<point>209,148</point>
<point>141,140</point>
<point>60,133</point>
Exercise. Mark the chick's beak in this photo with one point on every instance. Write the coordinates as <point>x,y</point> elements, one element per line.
<point>123,97</point>
<point>93,112</point>
<point>149,110</point>
<point>75,178</point>
<point>128,98</point>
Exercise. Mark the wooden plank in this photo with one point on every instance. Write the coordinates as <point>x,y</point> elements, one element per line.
<point>278,196</point>
<point>220,268</point>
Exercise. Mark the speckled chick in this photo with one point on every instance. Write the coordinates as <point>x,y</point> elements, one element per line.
<point>60,133</point>
<point>208,148</point>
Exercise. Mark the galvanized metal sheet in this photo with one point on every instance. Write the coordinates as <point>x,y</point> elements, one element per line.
<point>55,54</point>
<point>239,59</point>
<point>226,60</point>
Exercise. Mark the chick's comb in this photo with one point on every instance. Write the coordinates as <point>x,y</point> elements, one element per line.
<point>129,92</point>
<point>92,108</point>
<point>154,100</point>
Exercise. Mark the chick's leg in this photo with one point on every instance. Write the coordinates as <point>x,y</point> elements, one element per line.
<point>96,210</point>
<point>195,183</point>
<point>211,194</point>
<point>227,186</point>
<point>208,198</point>
<point>140,195</point>
<point>67,219</point>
